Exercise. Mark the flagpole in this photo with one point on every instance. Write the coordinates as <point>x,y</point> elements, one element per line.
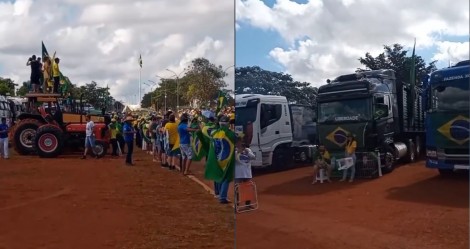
<point>140,87</point>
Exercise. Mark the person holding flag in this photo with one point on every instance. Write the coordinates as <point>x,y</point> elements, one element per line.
<point>221,161</point>
<point>185,142</point>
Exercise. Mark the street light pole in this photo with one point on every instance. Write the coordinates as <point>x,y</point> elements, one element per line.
<point>177,87</point>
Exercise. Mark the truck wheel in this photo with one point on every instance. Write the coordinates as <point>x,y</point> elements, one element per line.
<point>48,141</point>
<point>446,172</point>
<point>101,148</point>
<point>23,136</point>
<point>303,157</point>
<point>282,159</point>
<point>389,161</point>
<point>418,147</point>
<point>411,155</point>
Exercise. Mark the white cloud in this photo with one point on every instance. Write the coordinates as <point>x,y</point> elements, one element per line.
<point>452,51</point>
<point>102,40</point>
<point>327,37</point>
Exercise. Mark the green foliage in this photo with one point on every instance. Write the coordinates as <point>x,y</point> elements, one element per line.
<point>201,82</point>
<point>395,57</point>
<point>259,81</point>
<point>24,89</point>
<point>7,86</point>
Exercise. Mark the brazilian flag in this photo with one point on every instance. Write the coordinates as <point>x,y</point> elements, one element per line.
<point>221,161</point>
<point>65,82</point>
<point>196,144</point>
<point>143,131</point>
<point>206,133</point>
<point>222,101</point>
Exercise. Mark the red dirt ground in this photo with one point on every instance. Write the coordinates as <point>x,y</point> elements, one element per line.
<point>412,207</point>
<point>70,203</point>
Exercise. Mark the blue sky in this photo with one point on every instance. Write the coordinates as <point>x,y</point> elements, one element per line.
<point>267,25</point>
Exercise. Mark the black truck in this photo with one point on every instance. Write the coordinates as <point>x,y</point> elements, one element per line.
<point>383,114</point>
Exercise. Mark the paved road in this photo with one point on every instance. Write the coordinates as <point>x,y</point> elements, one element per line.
<point>413,207</point>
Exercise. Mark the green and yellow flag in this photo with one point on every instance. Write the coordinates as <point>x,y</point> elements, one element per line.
<point>197,144</point>
<point>64,81</point>
<point>220,163</point>
<point>222,101</point>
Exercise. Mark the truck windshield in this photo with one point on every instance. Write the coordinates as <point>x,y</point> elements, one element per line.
<point>344,111</point>
<point>451,95</point>
<point>243,115</point>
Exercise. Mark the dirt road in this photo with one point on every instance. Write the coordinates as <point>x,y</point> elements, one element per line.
<point>70,203</point>
<point>413,207</point>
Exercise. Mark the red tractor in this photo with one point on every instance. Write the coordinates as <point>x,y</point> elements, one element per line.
<point>48,131</point>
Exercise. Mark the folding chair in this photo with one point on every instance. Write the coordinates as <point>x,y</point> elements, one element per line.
<point>246,197</point>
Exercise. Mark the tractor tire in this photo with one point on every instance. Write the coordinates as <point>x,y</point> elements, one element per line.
<point>23,136</point>
<point>101,148</point>
<point>49,141</point>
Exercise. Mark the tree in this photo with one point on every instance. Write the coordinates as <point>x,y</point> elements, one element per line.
<point>7,86</point>
<point>202,81</point>
<point>395,57</point>
<point>259,81</point>
<point>24,89</point>
<point>147,100</point>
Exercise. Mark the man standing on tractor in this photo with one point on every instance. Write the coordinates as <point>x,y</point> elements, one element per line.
<point>56,75</point>
<point>90,137</point>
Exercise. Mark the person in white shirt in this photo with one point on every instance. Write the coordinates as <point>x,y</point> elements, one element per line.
<point>90,137</point>
<point>243,157</point>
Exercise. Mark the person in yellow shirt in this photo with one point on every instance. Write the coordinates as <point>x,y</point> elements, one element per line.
<point>172,128</point>
<point>350,151</point>
<point>47,74</point>
<point>114,131</point>
<point>322,161</point>
<point>56,75</point>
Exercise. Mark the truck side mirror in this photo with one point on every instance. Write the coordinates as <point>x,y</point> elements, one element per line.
<point>381,111</point>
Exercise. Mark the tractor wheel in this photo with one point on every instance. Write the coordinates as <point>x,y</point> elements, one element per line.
<point>23,136</point>
<point>49,141</point>
<point>101,148</point>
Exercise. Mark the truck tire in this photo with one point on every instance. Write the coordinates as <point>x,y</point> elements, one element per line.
<point>411,155</point>
<point>282,159</point>
<point>101,148</point>
<point>389,160</point>
<point>49,141</point>
<point>23,136</point>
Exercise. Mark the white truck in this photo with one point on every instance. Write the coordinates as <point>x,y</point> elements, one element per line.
<point>5,111</point>
<point>277,132</point>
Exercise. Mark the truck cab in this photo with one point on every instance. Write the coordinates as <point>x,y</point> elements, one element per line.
<point>447,119</point>
<point>378,110</point>
<point>266,122</point>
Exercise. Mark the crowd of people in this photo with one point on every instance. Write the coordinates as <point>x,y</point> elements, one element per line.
<point>45,74</point>
<point>169,139</point>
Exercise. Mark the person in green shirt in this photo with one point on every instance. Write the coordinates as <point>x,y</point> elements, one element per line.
<point>322,160</point>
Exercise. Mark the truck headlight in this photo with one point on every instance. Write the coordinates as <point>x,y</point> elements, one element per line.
<point>431,153</point>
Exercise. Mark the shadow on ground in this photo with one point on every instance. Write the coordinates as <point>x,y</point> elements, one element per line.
<point>302,186</point>
<point>450,191</point>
